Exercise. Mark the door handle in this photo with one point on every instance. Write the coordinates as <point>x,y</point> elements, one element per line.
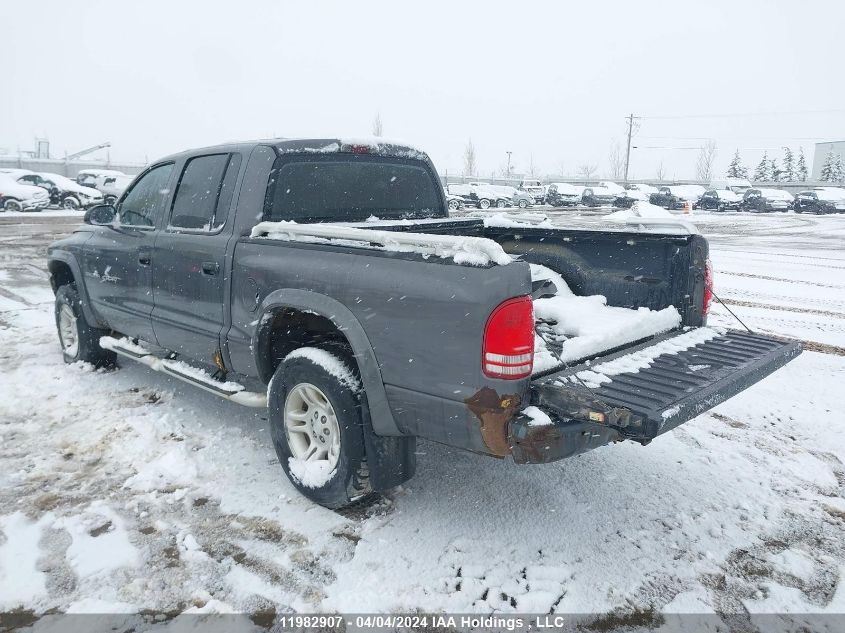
<point>144,259</point>
<point>210,268</point>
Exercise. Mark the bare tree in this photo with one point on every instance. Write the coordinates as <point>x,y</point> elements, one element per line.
<point>469,159</point>
<point>377,126</point>
<point>704,164</point>
<point>661,171</point>
<point>586,170</point>
<point>616,161</point>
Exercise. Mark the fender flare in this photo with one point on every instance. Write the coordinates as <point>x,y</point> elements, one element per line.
<point>70,261</point>
<point>342,317</point>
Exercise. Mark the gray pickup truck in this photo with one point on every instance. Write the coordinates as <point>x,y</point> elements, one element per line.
<point>325,280</point>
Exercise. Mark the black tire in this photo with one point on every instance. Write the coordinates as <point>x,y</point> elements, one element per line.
<point>349,480</point>
<point>71,203</point>
<point>87,339</point>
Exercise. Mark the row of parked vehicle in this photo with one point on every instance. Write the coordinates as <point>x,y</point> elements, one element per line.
<point>25,190</point>
<point>721,195</point>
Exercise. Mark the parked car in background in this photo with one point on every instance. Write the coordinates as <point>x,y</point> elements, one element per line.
<point>562,194</point>
<point>675,197</point>
<point>719,200</point>
<point>15,196</point>
<point>612,187</point>
<point>63,191</point>
<point>479,195</point>
<point>88,177</point>
<point>534,188</point>
<point>820,200</point>
<point>112,186</point>
<point>632,193</point>
<point>598,197</point>
<point>762,200</point>
<point>737,185</point>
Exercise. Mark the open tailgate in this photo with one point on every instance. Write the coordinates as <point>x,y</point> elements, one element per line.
<point>646,401</point>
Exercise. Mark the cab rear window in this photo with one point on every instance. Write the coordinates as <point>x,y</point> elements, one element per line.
<point>350,189</point>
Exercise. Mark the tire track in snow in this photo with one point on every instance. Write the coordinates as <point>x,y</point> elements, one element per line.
<point>768,306</point>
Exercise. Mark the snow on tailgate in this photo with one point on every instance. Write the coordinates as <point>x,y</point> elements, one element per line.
<point>471,251</point>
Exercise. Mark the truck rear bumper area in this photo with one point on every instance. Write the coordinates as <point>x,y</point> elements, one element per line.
<point>644,402</point>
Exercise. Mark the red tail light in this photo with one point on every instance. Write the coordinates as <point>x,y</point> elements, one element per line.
<point>509,340</point>
<point>358,149</point>
<point>708,287</point>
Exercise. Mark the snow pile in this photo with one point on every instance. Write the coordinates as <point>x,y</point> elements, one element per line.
<point>632,363</point>
<point>331,363</point>
<point>640,209</point>
<point>21,581</point>
<point>538,416</point>
<point>586,326</point>
<point>472,251</point>
<point>509,220</point>
<point>310,474</point>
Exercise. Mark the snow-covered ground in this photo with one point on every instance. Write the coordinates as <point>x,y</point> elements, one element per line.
<point>128,490</point>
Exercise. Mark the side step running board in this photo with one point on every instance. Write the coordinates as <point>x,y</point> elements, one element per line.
<point>229,390</point>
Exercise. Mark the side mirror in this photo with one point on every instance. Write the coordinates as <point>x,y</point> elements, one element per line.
<point>100,215</point>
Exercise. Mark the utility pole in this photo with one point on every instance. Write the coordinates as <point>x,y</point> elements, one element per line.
<point>628,151</point>
<point>509,163</point>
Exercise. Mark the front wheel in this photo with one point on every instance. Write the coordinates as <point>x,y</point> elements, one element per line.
<point>501,204</point>
<point>453,205</point>
<point>523,204</point>
<point>316,425</point>
<point>79,341</point>
<point>112,199</point>
<point>484,203</point>
<point>71,203</point>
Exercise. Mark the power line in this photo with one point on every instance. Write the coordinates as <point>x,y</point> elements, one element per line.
<point>742,114</point>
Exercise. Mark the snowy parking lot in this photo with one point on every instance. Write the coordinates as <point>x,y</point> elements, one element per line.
<point>128,490</point>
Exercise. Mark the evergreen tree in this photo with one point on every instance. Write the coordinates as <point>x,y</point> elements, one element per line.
<point>838,174</point>
<point>827,174</point>
<point>736,168</point>
<point>788,165</point>
<point>801,167</point>
<point>774,171</point>
<point>761,174</point>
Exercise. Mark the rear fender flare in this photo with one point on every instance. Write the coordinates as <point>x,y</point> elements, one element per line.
<point>346,322</point>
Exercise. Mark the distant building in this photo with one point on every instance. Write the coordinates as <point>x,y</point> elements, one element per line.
<point>822,150</point>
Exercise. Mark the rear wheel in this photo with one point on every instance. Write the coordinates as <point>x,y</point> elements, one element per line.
<point>12,205</point>
<point>112,199</point>
<point>316,426</point>
<point>79,341</point>
<point>453,205</point>
<point>523,204</point>
<point>501,204</point>
<point>484,203</point>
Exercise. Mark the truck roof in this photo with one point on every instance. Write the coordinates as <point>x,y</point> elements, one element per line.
<point>336,145</point>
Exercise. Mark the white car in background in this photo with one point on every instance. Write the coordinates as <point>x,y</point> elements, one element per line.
<point>612,187</point>
<point>737,185</point>
<point>112,187</point>
<point>63,191</point>
<point>89,177</point>
<point>15,196</point>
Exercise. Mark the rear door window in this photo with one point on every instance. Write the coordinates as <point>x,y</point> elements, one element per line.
<point>351,189</point>
<point>197,193</point>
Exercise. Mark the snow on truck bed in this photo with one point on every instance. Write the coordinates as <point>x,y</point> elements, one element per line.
<point>585,326</point>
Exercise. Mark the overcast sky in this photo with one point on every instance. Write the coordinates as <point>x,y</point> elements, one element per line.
<point>550,79</point>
